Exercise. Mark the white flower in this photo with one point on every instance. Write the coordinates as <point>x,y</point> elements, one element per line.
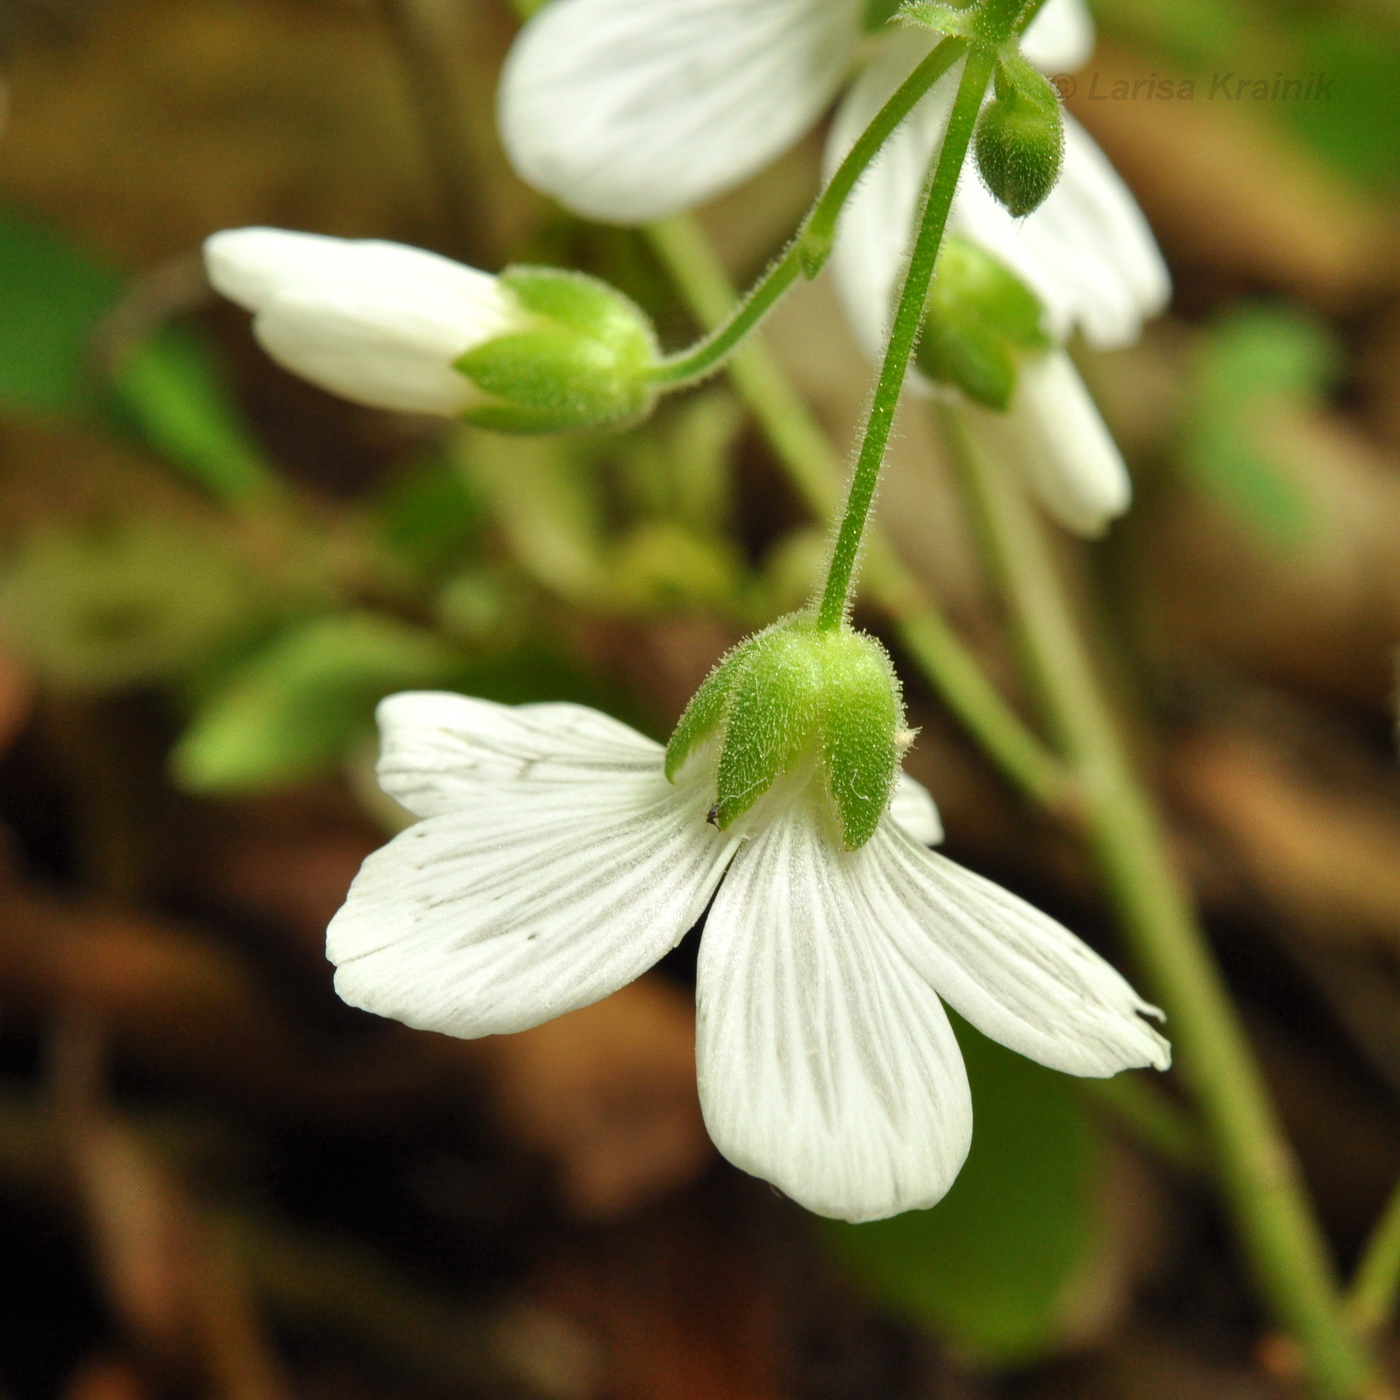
<point>379,323</point>
<point>554,863</point>
<point>1086,253</point>
<point>628,112</point>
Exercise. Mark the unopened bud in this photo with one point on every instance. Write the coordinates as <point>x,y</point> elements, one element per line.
<point>796,695</point>
<point>1020,137</point>
<point>536,349</point>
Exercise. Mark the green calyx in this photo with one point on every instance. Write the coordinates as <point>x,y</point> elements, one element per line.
<point>990,24</point>
<point>1020,136</point>
<point>583,360</point>
<point>795,694</point>
<point>980,319</point>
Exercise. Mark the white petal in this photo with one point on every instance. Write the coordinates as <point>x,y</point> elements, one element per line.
<point>877,222</point>
<point>1054,435</point>
<point>915,810</point>
<point>441,752</point>
<point>1013,972</point>
<point>558,866</point>
<point>379,323</point>
<point>1060,38</point>
<point>1086,252</point>
<point>827,1064</point>
<point>630,110</point>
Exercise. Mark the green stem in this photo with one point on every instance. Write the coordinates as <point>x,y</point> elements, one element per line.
<point>814,468</point>
<point>812,246</point>
<point>904,335</point>
<point>1372,1299</point>
<point>1276,1226</point>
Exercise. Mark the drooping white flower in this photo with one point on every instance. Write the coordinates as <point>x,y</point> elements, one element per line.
<point>555,862</point>
<point>628,112</point>
<point>535,349</point>
<point>1086,253</point>
<point>379,323</point>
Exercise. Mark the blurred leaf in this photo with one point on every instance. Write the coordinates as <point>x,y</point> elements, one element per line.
<point>991,1268</point>
<point>1255,363</point>
<point>1356,128</point>
<point>122,602</point>
<point>176,397</point>
<point>297,704</point>
<point>51,298</point>
<point>662,567</point>
<point>430,517</point>
<point>545,499</point>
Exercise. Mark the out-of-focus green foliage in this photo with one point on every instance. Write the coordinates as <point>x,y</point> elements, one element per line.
<point>178,402</point>
<point>993,1268</point>
<point>51,298</point>
<point>1255,365</point>
<point>103,604</point>
<point>295,705</point>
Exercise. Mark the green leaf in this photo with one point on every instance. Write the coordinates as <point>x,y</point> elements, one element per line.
<point>52,297</point>
<point>1255,363</point>
<point>292,708</point>
<point>172,391</point>
<point>992,1267</point>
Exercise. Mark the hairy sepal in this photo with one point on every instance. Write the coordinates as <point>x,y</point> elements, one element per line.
<point>795,695</point>
<point>979,320</point>
<point>585,361</point>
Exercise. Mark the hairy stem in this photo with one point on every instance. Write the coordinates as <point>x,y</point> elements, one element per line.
<point>812,245</point>
<point>814,467</point>
<point>1263,1188</point>
<point>904,335</point>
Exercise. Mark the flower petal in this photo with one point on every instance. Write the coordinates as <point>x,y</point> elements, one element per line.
<point>1086,252</point>
<point>1060,38</point>
<point>379,323</point>
<point>1055,436</point>
<point>1013,972</point>
<point>915,810</point>
<point>627,111</point>
<point>827,1064</point>
<point>557,864</point>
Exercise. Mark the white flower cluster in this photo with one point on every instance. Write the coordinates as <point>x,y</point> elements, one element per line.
<point>554,859</point>
<point>627,112</point>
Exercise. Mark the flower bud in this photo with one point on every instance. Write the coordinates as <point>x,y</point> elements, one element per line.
<point>533,350</point>
<point>793,695</point>
<point>979,320</point>
<point>1020,139</point>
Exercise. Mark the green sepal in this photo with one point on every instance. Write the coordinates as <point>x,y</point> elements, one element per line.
<point>980,318</point>
<point>586,362</point>
<point>990,24</point>
<point>707,709</point>
<point>793,694</point>
<point>1020,137</point>
<point>863,715</point>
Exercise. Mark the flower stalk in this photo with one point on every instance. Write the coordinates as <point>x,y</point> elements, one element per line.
<point>904,335</point>
<point>813,466</point>
<point>1263,1187</point>
<point>809,250</point>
